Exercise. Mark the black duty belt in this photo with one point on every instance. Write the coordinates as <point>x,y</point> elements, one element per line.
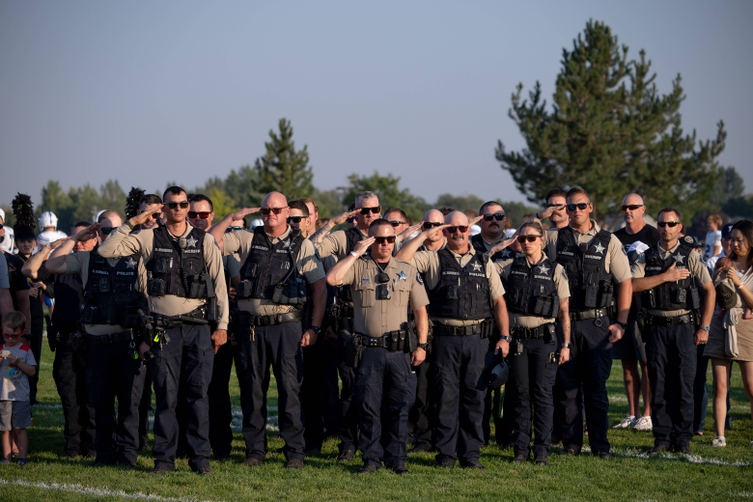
<point>270,320</point>
<point>389,341</point>
<point>481,328</point>
<point>582,315</point>
<point>525,333</point>
<point>669,322</point>
<point>125,336</point>
<point>196,316</point>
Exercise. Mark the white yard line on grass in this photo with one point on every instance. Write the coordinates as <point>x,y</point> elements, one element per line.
<point>95,492</point>
<point>693,459</point>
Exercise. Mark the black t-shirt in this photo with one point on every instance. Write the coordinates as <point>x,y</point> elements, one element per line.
<point>17,280</point>
<point>650,237</point>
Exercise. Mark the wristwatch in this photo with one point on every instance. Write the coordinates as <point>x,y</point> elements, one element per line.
<point>316,329</point>
<point>622,325</point>
<point>506,338</point>
<point>706,328</point>
<point>424,346</point>
<point>567,345</point>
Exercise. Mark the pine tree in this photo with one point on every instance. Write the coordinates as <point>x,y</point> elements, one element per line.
<point>284,169</point>
<point>611,132</point>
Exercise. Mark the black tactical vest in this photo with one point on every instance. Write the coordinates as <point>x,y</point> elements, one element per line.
<point>111,292</point>
<point>462,292</point>
<point>178,267</point>
<point>680,295</point>
<point>270,272</point>
<point>590,284</point>
<point>531,290</point>
<point>69,296</point>
<point>478,244</point>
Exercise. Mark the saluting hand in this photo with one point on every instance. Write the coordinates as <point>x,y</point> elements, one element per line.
<point>363,246</point>
<point>142,218</point>
<point>242,213</point>
<point>87,233</point>
<point>409,231</point>
<point>342,218</point>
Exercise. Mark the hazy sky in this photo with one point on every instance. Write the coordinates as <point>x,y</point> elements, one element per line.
<point>151,92</point>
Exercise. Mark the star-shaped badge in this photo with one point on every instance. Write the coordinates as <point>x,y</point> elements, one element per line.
<point>476,267</point>
<point>402,276</point>
<point>131,263</point>
<point>191,242</point>
<point>679,259</point>
<point>543,269</point>
<point>599,248</point>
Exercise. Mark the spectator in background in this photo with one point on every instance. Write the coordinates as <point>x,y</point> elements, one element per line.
<point>713,243</point>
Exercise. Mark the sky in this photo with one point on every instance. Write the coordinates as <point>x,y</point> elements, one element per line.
<point>151,92</point>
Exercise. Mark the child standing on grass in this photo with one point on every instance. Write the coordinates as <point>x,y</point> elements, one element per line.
<point>17,364</point>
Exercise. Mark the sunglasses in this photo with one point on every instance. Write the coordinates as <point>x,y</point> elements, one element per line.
<point>460,228</point>
<point>382,240</point>
<point>428,225</point>
<point>174,205</point>
<point>11,335</point>
<point>266,210</point>
<point>670,224</point>
<point>632,207</point>
<point>582,206</point>
<point>366,210</point>
<point>108,230</point>
<point>528,238</point>
<point>396,223</point>
<point>231,229</point>
<point>156,216</point>
<point>201,214</point>
<point>296,219</point>
<point>495,216</point>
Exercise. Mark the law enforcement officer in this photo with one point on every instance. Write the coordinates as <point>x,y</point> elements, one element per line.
<point>201,212</point>
<point>635,237</point>
<point>669,275</point>
<point>555,208</point>
<point>465,292</point>
<point>383,289</point>
<point>278,264</point>
<point>339,244</point>
<point>186,288</point>
<point>422,414</point>
<point>537,292</point>
<point>69,367</point>
<point>593,260</point>
<point>112,312</point>
<point>492,228</point>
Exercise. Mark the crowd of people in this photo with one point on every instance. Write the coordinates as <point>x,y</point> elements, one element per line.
<point>386,334</point>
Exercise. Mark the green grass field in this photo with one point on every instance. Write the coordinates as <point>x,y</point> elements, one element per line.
<point>709,473</point>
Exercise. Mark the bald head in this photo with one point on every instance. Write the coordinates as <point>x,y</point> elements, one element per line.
<point>275,205</point>
<point>434,215</point>
<point>456,218</point>
<point>633,209</point>
<point>632,199</point>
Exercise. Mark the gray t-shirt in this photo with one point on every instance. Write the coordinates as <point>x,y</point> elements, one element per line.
<point>15,383</point>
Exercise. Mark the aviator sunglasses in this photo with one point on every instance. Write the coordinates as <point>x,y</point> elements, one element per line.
<point>201,214</point>
<point>670,224</point>
<point>460,228</point>
<point>266,210</point>
<point>527,238</point>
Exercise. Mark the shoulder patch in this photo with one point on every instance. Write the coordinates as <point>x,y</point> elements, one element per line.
<point>419,279</point>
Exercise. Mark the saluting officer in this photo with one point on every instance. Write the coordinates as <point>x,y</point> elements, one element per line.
<point>278,264</point>
<point>593,259</point>
<point>536,293</point>
<point>465,292</point>
<point>669,274</point>
<point>383,289</point>
<point>113,296</point>
<point>186,288</point>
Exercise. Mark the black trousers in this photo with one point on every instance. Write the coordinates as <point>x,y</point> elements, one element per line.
<point>278,346</point>
<point>531,380</point>
<point>459,393</point>
<point>318,394</point>
<point>220,407</point>
<point>186,361</point>
<point>385,390</point>
<point>35,342</point>
<point>582,380</point>
<point>112,373</point>
<point>69,373</point>
<point>672,363</point>
<point>144,405</point>
<point>422,414</point>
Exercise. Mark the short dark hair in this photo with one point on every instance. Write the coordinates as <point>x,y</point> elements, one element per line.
<point>306,200</point>
<point>81,223</point>
<point>575,191</point>
<point>299,205</point>
<point>486,204</point>
<point>398,210</point>
<point>555,192</point>
<point>670,210</point>
<point>150,198</point>
<point>173,190</point>
<point>198,197</point>
<point>378,223</point>
<point>14,320</point>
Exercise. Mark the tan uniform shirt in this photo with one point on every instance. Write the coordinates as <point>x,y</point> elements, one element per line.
<point>698,272</point>
<point>518,320</point>
<point>123,243</point>
<point>307,263</point>
<point>78,264</point>
<point>427,263</point>
<point>615,261</point>
<point>376,317</point>
<point>336,244</point>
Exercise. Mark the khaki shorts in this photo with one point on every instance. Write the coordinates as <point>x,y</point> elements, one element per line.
<point>15,415</point>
